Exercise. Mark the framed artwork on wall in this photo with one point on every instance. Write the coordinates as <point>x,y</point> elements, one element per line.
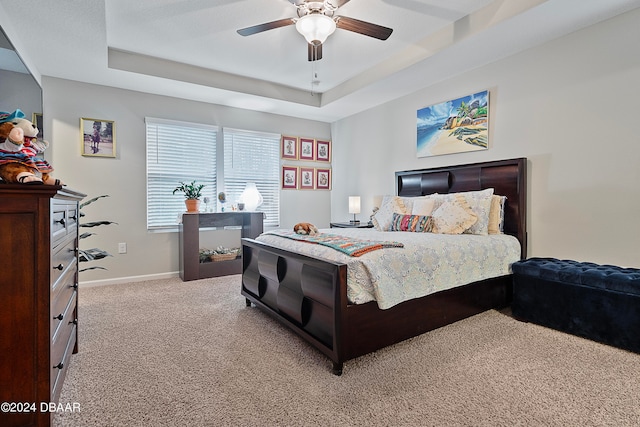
<point>323,179</point>
<point>289,147</point>
<point>454,126</point>
<point>307,178</point>
<point>289,177</point>
<point>307,149</point>
<point>323,151</point>
<point>98,137</point>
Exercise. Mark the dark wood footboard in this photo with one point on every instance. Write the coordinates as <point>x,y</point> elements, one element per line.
<point>306,294</point>
<point>309,295</point>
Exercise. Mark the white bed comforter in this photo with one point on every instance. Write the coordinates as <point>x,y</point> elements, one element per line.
<point>428,263</point>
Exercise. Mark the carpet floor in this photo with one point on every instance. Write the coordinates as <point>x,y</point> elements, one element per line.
<point>173,353</point>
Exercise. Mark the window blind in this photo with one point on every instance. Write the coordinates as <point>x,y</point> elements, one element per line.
<point>253,157</point>
<point>177,152</point>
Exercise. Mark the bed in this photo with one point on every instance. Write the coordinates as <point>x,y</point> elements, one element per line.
<point>309,294</point>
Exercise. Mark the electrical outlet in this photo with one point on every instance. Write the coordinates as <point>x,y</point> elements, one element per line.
<point>122,248</point>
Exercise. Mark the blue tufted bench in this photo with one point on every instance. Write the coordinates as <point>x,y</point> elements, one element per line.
<point>599,302</point>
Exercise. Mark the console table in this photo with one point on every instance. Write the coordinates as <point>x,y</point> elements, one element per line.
<point>190,266</point>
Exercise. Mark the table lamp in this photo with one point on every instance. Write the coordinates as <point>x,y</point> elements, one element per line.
<point>354,207</point>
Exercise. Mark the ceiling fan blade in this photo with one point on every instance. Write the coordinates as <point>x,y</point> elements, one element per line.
<point>266,26</point>
<point>314,51</point>
<point>362,27</point>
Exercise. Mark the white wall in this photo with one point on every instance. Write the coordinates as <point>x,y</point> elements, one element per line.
<point>569,106</point>
<point>123,178</point>
<point>21,91</point>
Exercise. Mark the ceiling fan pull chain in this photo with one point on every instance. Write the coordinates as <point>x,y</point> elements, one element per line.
<point>314,77</point>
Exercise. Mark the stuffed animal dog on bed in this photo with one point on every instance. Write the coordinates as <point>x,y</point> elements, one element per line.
<point>305,228</point>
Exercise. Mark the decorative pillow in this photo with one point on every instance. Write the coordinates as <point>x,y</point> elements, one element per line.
<point>409,202</point>
<point>480,203</point>
<point>453,216</point>
<point>415,223</point>
<point>496,215</point>
<point>384,216</point>
<point>423,206</point>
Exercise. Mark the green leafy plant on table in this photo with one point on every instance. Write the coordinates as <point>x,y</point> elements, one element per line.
<point>191,191</point>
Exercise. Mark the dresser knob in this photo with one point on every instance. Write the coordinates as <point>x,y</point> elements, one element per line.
<point>74,286</point>
<point>59,267</point>
<point>61,221</point>
<point>59,365</point>
<point>59,316</point>
<point>74,321</point>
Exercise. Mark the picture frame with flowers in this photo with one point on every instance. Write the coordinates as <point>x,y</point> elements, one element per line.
<point>307,149</point>
<point>289,147</point>
<point>289,177</point>
<point>323,151</point>
<point>323,178</point>
<point>307,178</point>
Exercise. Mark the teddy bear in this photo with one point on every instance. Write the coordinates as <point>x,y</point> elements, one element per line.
<point>305,228</point>
<point>19,147</point>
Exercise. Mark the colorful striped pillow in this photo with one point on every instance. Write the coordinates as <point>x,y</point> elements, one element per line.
<point>417,223</point>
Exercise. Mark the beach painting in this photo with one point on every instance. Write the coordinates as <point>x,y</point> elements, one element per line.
<point>455,126</point>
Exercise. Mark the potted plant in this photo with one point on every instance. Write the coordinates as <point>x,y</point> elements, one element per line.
<point>192,193</point>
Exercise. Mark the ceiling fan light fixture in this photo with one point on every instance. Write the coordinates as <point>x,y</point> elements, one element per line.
<point>315,27</point>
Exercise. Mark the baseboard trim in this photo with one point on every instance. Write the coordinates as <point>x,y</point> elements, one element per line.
<point>130,279</point>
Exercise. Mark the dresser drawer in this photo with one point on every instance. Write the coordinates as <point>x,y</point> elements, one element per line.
<point>60,299</point>
<point>63,259</point>
<point>59,369</point>
<point>58,222</point>
<point>62,333</point>
<point>73,215</point>
<point>64,220</point>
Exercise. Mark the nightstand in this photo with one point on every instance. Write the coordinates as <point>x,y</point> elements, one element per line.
<point>351,225</point>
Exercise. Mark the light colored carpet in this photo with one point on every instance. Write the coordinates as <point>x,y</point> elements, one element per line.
<point>172,353</point>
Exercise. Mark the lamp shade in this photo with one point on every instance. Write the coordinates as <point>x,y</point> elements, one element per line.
<point>251,197</point>
<point>354,204</point>
<point>315,27</point>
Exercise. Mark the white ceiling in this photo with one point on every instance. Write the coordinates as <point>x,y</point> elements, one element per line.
<point>190,48</point>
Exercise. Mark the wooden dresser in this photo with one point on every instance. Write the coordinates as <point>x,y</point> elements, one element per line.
<point>38,297</point>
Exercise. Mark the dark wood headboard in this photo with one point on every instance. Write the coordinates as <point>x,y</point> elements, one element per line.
<point>507,177</point>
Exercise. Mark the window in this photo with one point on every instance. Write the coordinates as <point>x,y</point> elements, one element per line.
<point>177,151</point>
<point>253,157</point>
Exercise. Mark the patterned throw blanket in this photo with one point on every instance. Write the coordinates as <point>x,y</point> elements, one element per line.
<point>347,245</point>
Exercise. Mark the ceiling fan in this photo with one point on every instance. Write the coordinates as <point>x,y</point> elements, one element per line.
<point>316,21</point>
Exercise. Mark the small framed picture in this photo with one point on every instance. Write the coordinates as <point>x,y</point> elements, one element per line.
<point>323,151</point>
<point>289,147</point>
<point>307,149</point>
<point>323,179</point>
<point>307,178</point>
<point>98,137</point>
<point>289,177</point>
